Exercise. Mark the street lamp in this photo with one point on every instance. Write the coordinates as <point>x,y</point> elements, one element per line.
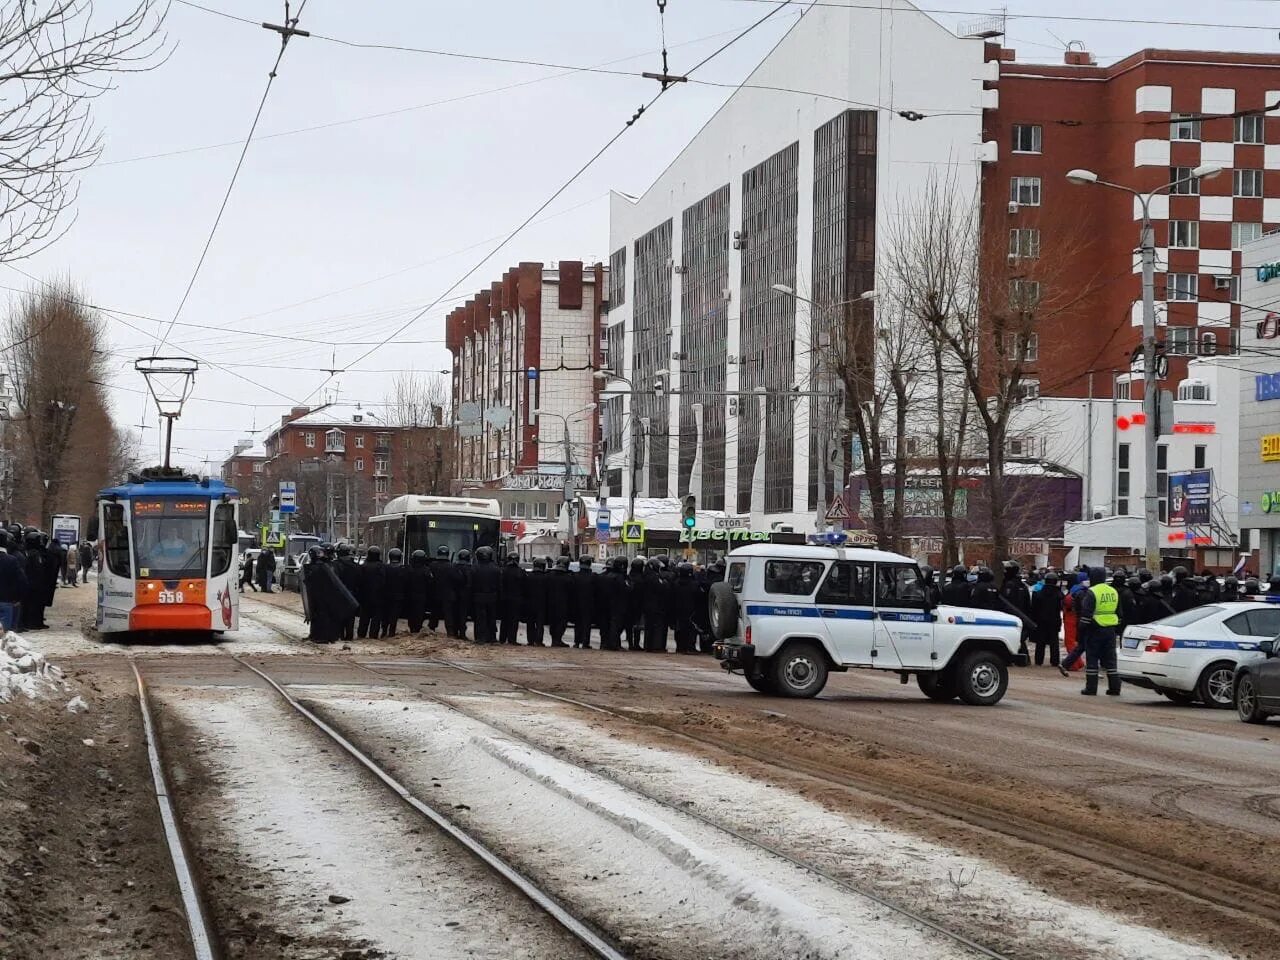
<point>1150,389</point>
<point>568,465</point>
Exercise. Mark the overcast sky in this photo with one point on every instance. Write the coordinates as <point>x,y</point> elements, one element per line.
<point>344,233</point>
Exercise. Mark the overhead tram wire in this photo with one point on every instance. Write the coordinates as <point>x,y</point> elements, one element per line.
<point>287,31</point>
<point>559,190</point>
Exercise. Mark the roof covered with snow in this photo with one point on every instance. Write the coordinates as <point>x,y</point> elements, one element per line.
<point>340,415</point>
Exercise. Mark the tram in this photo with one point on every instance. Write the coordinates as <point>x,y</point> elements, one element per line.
<point>414,522</point>
<point>167,554</point>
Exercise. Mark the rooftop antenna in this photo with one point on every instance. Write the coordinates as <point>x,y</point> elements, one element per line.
<point>170,380</point>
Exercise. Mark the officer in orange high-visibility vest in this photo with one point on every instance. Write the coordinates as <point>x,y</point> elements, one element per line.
<point>1099,612</point>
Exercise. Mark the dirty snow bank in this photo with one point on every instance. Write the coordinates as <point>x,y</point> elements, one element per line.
<point>23,669</point>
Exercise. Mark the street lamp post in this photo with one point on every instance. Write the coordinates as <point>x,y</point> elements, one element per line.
<point>568,468</point>
<point>635,438</point>
<point>1150,384</point>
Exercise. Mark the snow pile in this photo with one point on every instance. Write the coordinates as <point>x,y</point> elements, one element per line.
<point>23,669</point>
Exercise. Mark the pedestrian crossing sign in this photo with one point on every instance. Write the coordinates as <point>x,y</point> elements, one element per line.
<point>633,531</point>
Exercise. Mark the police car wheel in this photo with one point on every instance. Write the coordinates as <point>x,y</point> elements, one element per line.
<point>799,671</point>
<point>983,679</point>
<point>1217,685</point>
<point>939,685</point>
<point>1247,701</point>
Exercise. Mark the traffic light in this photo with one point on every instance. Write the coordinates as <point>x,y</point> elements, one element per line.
<point>689,512</point>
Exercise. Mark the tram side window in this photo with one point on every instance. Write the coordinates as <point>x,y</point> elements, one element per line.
<point>116,533</point>
<point>225,536</point>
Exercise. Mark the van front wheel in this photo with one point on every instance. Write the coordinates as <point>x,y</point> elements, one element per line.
<point>983,678</point>
<point>799,671</point>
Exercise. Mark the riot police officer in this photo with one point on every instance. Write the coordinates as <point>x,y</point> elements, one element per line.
<point>460,572</point>
<point>417,590</point>
<point>584,602</point>
<point>535,603</point>
<point>656,607</point>
<point>370,594</point>
<point>442,601</point>
<point>684,603</point>
<point>511,582</point>
<point>957,592</point>
<point>559,584</point>
<point>485,586</point>
<point>348,571</point>
<point>636,603</point>
<point>617,614</point>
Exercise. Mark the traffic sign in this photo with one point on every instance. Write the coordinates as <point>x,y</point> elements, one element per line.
<point>288,496</point>
<point>633,531</point>
<point>837,510</point>
<point>602,522</point>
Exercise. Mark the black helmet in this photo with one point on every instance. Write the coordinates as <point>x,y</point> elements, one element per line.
<point>1230,584</point>
<point>958,572</point>
<point>637,564</point>
<point>330,551</point>
<point>1097,575</point>
<point>395,555</point>
<point>1179,572</point>
<point>1275,583</point>
<point>1144,574</point>
<point>464,556</point>
<point>344,549</point>
<point>1150,586</point>
<point>513,559</point>
<point>985,575</point>
<point>1252,586</point>
<point>539,563</point>
<point>1051,579</point>
<point>418,558</point>
<point>927,572</point>
<point>684,569</point>
<point>1166,581</point>
<point>373,553</point>
<point>484,554</point>
<point>442,551</point>
<point>32,537</point>
<point>1012,566</point>
<point>316,554</point>
<point>562,563</point>
<point>618,564</point>
<point>1133,583</point>
<point>1119,578</point>
<point>654,565</point>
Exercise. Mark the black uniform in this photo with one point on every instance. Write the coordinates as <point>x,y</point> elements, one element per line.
<point>394,584</point>
<point>511,586</point>
<point>1046,611</point>
<point>635,607</point>
<point>13,585</point>
<point>1185,594</point>
<point>617,614</point>
<point>684,595</point>
<point>460,578</point>
<point>330,604</point>
<point>656,609</point>
<point>442,594</point>
<point>559,602</point>
<point>485,583</point>
<point>372,581</point>
<point>348,571</point>
<point>417,593</point>
<point>957,592</point>
<point>583,595</point>
<point>33,599</point>
<point>535,604</point>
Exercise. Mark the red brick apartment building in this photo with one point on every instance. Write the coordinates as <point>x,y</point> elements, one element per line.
<point>1141,122</point>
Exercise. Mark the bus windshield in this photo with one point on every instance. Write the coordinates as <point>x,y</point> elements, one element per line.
<point>171,537</point>
<point>457,533</point>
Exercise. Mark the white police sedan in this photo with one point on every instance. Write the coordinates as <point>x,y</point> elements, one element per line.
<point>1193,655</point>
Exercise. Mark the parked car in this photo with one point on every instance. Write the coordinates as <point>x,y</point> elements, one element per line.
<point>785,616</point>
<point>1257,685</point>
<point>1193,655</point>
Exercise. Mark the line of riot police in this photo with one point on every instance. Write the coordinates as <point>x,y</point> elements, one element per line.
<point>638,605</point>
<point>30,565</point>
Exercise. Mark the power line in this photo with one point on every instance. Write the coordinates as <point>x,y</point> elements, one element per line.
<point>286,33</point>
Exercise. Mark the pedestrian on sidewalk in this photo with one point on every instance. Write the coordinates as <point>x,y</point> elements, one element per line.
<point>246,573</point>
<point>265,570</point>
<point>85,556</point>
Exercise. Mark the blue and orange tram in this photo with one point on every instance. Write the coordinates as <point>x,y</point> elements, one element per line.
<point>168,545</point>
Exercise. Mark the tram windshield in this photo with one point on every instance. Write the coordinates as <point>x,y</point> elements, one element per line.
<point>171,538</point>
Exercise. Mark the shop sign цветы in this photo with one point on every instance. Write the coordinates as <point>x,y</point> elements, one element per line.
<point>735,536</point>
<point>1271,501</point>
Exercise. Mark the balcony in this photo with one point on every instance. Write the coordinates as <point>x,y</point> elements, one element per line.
<point>382,448</point>
<point>381,468</point>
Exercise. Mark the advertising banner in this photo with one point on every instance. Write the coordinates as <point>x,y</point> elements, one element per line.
<point>65,529</point>
<point>1190,497</point>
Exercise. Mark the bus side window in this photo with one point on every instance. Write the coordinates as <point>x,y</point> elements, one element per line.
<point>225,536</point>
<point>116,533</point>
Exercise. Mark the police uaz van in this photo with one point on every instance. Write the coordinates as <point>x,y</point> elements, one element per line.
<point>785,616</point>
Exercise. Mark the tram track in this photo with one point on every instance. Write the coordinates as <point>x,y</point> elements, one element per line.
<point>1208,888</point>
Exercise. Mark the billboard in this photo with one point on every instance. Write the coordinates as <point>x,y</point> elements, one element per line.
<point>65,529</point>
<point>1190,497</point>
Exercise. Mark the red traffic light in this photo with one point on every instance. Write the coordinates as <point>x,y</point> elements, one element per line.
<point>1123,423</point>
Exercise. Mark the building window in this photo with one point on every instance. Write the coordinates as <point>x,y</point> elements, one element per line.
<point>360,441</point>
<point>1025,191</point>
<point>1026,390</point>
<point>257,467</point>
<point>1026,138</point>
<point>1023,294</point>
<point>1242,233</point>
<point>1184,126</point>
<point>1024,242</point>
<point>335,441</point>
<point>359,464</point>
<point>1122,480</point>
<point>1184,184</point>
<point>308,439</point>
<point>1199,457</point>
<point>1177,341</point>
<point>379,464</point>
<point>1124,389</point>
<point>1162,480</point>
<point>1246,183</point>
<point>1184,234</point>
<point>1181,286</point>
<point>618,278</point>
<point>1030,352</point>
<point>541,510</point>
<point>381,484</point>
<point>1193,390</point>
<point>1249,129</point>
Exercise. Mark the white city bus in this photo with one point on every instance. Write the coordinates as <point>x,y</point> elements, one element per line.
<point>414,522</point>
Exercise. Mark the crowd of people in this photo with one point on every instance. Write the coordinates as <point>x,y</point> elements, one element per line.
<point>31,565</point>
<point>639,604</point>
<point>1089,608</point>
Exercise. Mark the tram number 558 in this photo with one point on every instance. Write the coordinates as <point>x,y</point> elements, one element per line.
<point>171,596</point>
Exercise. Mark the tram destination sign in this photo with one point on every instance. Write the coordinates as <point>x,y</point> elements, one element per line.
<point>169,507</point>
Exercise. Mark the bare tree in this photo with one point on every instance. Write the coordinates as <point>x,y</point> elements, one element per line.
<point>417,405</point>
<point>56,57</point>
<point>56,364</point>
